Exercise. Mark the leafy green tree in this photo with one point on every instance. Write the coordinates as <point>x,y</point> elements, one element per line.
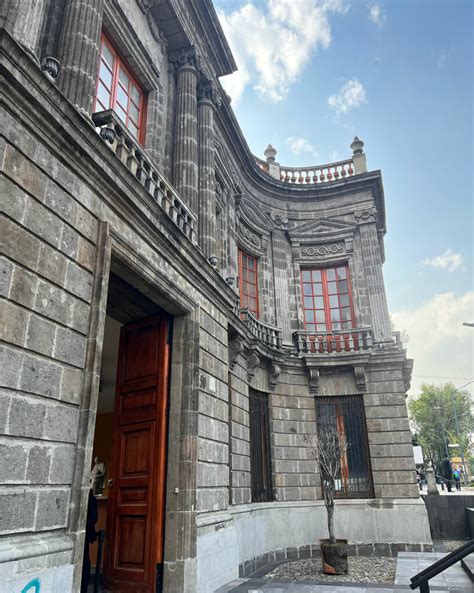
<point>442,415</point>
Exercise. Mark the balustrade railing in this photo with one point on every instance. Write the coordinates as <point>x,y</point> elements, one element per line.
<point>268,334</point>
<point>352,340</point>
<point>310,175</point>
<point>126,148</point>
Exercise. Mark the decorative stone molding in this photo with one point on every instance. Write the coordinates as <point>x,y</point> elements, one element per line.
<point>253,362</point>
<point>184,57</point>
<point>274,371</point>
<point>236,347</point>
<point>366,215</point>
<point>250,235</point>
<point>207,89</point>
<point>313,380</point>
<point>279,220</point>
<point>359,373</point>
<point>407,371</point>
<point>322,250</point>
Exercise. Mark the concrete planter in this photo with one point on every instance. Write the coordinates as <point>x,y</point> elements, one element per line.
<point>334,556</point>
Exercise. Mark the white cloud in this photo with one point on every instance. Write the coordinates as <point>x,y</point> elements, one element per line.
<point>449,261</point>
<point>352,94</point>
<point>442,347</point>
<point>302,146</point>
<point>376,14</point>
<point>272,43</point>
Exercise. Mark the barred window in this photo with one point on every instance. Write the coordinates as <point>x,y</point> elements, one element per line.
<point>260,460</point>
<point>346,414</point>
<point>248,282</point>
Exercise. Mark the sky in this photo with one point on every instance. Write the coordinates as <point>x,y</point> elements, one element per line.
<point>398,74</point>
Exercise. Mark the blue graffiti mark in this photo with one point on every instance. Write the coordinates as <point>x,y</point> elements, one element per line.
<point>33,586</point>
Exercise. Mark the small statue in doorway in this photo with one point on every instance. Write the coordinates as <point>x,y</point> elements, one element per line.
<point>97,479</point>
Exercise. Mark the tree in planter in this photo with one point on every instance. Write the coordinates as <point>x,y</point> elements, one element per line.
<point>328,449</point>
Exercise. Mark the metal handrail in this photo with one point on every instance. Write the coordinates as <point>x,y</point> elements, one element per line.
<point>421,579</point>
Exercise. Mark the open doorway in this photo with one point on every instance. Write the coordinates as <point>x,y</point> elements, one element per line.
<point>129,451</point>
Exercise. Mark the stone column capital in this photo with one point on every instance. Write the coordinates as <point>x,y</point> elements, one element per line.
<point>207,92</point>
<point>185,58</point>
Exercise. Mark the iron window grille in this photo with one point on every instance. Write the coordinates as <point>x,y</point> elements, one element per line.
<point>260,458</point>
<point>346,414</point>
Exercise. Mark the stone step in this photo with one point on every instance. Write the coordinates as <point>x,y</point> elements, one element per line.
<point>468,564</point>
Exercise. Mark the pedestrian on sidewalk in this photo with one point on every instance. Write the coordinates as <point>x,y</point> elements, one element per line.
<point>447,472</point>
<point>457,478</point>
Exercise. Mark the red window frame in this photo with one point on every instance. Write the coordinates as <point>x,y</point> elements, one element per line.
<point>327,299</point>
<point>116,82</point>
<point>248,273</point>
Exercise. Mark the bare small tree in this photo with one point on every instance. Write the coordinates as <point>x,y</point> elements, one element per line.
<point>327,449</point>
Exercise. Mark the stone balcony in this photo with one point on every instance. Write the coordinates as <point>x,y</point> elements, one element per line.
<point>267,334</point>
<point>334,342</point>
<point>315,174</point>
<point>127,150</point>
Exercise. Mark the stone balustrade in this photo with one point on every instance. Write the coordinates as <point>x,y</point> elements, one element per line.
<point>126,148</point>
<point>268,334</point>
<point>315,174</point>
<point>354,340</point>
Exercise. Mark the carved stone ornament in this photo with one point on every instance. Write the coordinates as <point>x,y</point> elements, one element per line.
<point>253,362</point>
<point>206,89</point>
<point>157,33</point>
<point>236,347</point>
<point>274,371</point>
<point>186,56</point>
<point>360,379</point>
<point>250,235</point>
<point>365,215</point>
<point>279,220</point>
<point>313,380</point>
<point>322,250</point>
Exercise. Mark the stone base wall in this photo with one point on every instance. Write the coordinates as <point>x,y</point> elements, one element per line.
<point>247,537</point>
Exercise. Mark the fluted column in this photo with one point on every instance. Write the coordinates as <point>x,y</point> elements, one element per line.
<point>185,153</point>
<point>373,274</point>
<point>79,47</point>
<point>207,99</point>
<point>23,20</point>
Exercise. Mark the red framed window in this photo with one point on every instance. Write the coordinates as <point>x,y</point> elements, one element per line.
<point>248,282</point>
<point>117,89</point>
<point>327,299</point>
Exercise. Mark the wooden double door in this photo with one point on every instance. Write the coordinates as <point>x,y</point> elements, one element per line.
<point>136,512</point>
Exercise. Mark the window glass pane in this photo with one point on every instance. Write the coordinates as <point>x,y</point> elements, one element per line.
<point>322,327</point>
<point>333,301</point>
<point>135,94</point>
<point>121,113</point>
<point>307,289</point>
<point>133,128</point>
<point>123,77</point>
<point>343,286</point>
<point>331,274</point>
<point>344,299</point>
<point>107,55</point>
<point>252,290</point>
<point>306,275</point>
<point>133,112</point>
<point>336,325</point>
<point>122,97</point>
<point>332,288</point>
<point>252,304</point>
<point>250,263</point>
<point>308,302</point>
<point>316,275</point>
<point>103,95</point>
<point>346,325</point>
<point>346,313</point>
<point>309,316</point>
<point>310,327</point>
<point>335,315</point>
<point>318,289</point>
<point>320,317</point>
<point>105,75</point>
<point>341,273</point>
<point>319,303</point>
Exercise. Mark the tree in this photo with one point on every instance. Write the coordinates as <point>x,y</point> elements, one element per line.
<point>328,449</point>
<point>441,415</point>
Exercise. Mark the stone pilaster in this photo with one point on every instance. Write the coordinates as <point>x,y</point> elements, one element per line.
<point>79,46</point>
<point>207,192</point>
<point>374,278</point>
<point>185,157</point>
<point>23,20</point>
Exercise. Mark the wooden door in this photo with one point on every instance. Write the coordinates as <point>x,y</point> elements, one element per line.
<point>135,521</point>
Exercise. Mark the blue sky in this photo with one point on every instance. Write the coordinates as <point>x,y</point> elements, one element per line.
<point>399,74</point>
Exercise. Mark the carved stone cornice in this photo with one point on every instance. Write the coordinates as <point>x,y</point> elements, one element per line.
<point>274,371</point>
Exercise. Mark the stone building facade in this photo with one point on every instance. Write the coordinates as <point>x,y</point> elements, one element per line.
<point>183,311</point>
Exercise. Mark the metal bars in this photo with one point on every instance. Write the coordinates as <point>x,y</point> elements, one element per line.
<point>260,460</point>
